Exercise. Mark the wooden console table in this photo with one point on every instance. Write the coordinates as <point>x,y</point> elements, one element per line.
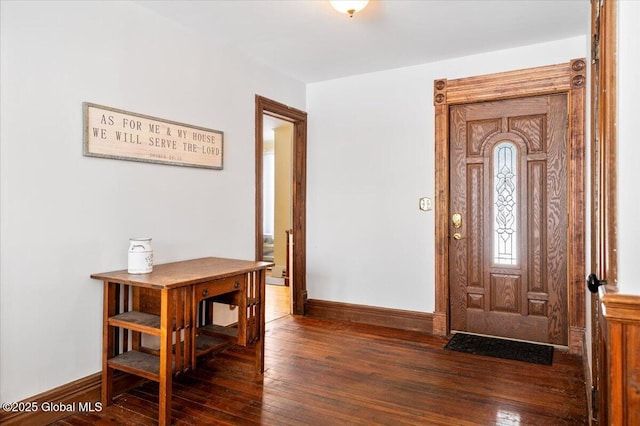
<point>174,303</point>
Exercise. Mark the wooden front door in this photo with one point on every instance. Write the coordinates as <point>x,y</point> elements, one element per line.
<point>508,223</point>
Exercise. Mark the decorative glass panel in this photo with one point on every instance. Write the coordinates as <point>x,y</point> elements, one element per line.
<point>505,174</point>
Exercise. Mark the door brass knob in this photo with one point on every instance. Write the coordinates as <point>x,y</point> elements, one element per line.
<point>457,236</point>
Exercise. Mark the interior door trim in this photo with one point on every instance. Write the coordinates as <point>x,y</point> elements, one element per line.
<point>568,78</point>
<point>604,235</point>
<point>299,191</point>
<point>604,227</point>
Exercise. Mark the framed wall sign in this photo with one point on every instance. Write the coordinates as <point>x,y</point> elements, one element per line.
<point>123,135</point>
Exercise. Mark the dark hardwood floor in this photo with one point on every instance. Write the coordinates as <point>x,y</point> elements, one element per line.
<point>321,372</point>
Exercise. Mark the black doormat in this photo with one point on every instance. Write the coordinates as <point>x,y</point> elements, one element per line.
<point>500,348</point>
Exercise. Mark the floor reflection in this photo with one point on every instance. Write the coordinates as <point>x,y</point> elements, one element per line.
<point>507,418</point>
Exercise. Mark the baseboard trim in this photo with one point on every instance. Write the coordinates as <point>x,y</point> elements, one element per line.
<point>372,315</point>
<point>576,340</point>
<point>588,379</point>
<point>440,323</point>
<point>85,391</point>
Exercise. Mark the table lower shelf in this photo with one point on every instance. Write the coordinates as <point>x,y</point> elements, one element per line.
<point>138,363</point>
<point>229,333</point>
<point>209,344</point>
<point>147,365</point>
<point>137,321</point>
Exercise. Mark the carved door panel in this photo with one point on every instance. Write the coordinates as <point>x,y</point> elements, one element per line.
<point>508,183</point>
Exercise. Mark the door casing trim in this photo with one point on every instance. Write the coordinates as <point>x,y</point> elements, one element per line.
<point>299,191</point>
<point>568,78</point>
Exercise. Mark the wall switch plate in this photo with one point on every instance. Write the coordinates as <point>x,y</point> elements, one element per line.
<point>425,204</point>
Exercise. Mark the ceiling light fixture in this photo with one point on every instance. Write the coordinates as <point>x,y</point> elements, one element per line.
<point>349,7</point>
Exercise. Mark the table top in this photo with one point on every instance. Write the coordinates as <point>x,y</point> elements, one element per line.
<point>186,272</point>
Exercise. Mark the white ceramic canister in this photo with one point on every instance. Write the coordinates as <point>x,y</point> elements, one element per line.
<point>140,256</point>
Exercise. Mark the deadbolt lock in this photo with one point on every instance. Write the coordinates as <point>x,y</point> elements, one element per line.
<point>457,220</point>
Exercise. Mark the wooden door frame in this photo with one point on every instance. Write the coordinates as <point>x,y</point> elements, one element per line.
<point>567,78</point>
<point>604,238</point>
<point>299,191</point>
<point>604,210</point>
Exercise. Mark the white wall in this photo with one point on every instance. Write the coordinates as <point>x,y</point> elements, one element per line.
<point>370,159</point>
<point>64,216</point>
<point>628,146</point>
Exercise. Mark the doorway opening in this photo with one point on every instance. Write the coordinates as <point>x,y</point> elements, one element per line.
<point>277,208</point>
<point>280,223</point>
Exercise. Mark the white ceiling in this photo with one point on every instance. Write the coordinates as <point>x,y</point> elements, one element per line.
<point>310,41</point>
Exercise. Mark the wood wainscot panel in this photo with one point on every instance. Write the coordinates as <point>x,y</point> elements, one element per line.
<point>619,395</point>
<point>372,315</point>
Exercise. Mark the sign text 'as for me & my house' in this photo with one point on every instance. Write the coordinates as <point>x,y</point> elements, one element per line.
<point>123,135</point>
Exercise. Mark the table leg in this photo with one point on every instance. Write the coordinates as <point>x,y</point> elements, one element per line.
<point>166,334</point>
<point>260,277</point>
<point>108,309</point>
<point>195,322</point>
<point>244,323</point>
